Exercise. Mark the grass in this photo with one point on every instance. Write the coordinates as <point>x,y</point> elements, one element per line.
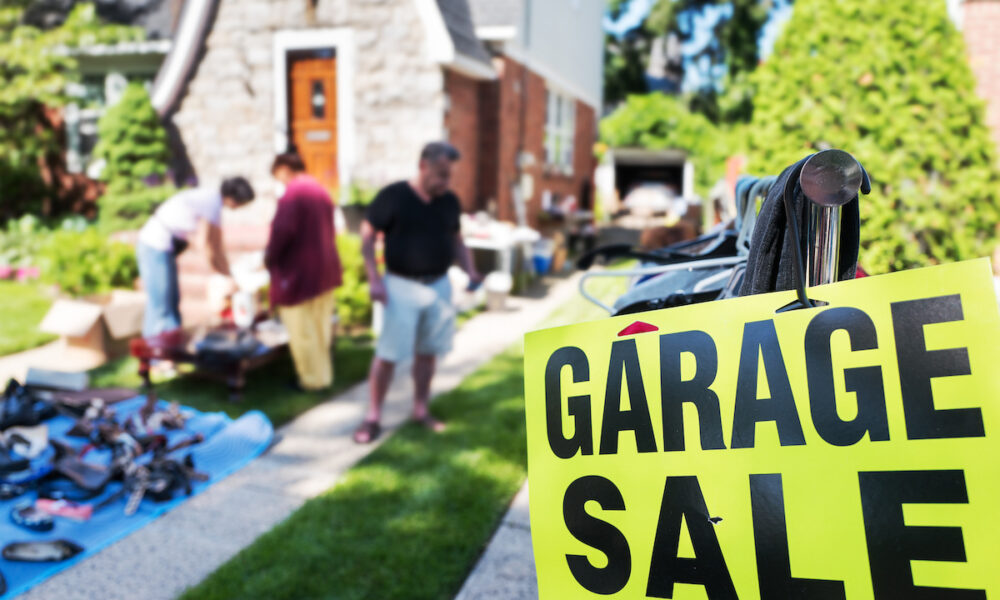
<point>22,307</point>
<point>267,389</point>
<point>410,520</point>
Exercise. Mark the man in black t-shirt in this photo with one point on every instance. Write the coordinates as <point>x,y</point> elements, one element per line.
<point>419,221</point>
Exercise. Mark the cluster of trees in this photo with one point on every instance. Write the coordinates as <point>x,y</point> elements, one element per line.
<point>887,81</point>
<point>36,68</point>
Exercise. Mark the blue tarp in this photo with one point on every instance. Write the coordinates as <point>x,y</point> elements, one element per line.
<point>229,445</point>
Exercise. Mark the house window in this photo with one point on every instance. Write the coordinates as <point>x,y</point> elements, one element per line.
<point>560,130</point>
<point>318,100</point>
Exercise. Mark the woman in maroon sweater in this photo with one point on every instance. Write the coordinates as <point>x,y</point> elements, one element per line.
<point>305,268</point>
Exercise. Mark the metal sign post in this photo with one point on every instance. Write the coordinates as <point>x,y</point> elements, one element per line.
<point>829,179</point>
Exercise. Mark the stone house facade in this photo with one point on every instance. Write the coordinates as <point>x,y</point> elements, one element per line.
<point>358,86</point>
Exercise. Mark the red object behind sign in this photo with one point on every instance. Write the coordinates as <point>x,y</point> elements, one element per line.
<point>637,327</point>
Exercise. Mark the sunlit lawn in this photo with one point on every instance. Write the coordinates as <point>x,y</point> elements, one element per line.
<point>22,307</point>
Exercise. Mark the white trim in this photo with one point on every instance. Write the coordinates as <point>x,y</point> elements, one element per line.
<point>184,53</point>
<point>553,77</point>
<point>439,43</point>
<point>496,33</point>
<point>688,175</point>
<point>471,68</point>
<point>119,49</point>
<point>341,40</point>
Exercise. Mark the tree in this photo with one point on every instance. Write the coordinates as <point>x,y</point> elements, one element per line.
<point>890,83</point>
<point>133,142</point>
<point>733,47</point>
<point>35,68</point>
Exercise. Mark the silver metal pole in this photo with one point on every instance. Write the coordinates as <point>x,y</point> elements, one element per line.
<point>824,249</point>
<point>829,179</point>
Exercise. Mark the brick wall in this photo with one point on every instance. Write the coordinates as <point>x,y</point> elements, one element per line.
<point>519,88</point>
<point>489,144</point>
<point>462,123</point>
<point>981,28</point>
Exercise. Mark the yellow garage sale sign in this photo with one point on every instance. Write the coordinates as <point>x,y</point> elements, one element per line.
<point>723,450</point>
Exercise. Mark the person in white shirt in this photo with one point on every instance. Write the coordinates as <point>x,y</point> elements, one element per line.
<point>193,215</point>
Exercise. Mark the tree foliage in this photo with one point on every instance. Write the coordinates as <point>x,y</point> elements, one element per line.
<point>890,83</point>
<point>133,142</point>
<point>733,45</point>
<point>36,66</point>
<point>657,121</point>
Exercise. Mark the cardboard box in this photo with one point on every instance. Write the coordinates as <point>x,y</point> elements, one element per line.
<point>97,327</point>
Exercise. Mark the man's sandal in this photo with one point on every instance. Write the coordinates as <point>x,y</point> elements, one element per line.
<point>367,432</point>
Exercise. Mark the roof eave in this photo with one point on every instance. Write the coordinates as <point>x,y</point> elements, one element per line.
<point>471,68</point>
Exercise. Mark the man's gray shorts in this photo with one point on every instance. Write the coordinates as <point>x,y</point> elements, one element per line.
<point>419,317</point>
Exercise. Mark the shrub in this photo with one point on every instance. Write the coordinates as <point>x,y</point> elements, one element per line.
<point>133,142</point>
<point>354,305</point>
<point>359,194</point>
<point>660,122</point>
<point>890,83</point>
<point>34,79</point>
<point>85,262</point>
<point>20,242</point>
<point>122,211</point>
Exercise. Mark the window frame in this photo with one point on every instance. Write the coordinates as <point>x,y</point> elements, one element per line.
<point>560,130</point>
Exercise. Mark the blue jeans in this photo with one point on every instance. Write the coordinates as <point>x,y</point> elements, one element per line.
<point>158,270</point>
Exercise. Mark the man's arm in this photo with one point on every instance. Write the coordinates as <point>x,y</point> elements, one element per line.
<point>216,251</point>
<point>376,287</point>
<point>464,258</point>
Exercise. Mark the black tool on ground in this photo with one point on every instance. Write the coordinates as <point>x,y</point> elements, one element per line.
<point>41,551</point>
<point>27,516</point>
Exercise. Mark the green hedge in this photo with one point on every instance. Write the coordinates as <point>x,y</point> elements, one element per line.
<point>354,305</point>
<point>133,141</point>
<point>660,122</point>
<point>86,262</point>
<point>890,83</point>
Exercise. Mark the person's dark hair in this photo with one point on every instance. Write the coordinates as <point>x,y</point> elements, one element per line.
<point>435,150</point>
<point>238,189</point>
<point>289,160</point>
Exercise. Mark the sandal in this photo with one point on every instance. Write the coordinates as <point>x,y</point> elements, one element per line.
<point>26,515</point>
<point>430,423</point>
<point>367,432</point>
<point>47,551</point>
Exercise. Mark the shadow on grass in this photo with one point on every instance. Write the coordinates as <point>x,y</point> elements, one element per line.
<point>267,389</point>
<point>408,520</point>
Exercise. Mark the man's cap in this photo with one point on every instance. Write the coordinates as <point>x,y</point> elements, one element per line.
<point>436,150</point>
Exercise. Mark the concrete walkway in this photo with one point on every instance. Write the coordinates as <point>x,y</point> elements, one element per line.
<point>310,454</point>
<point>507,568</point>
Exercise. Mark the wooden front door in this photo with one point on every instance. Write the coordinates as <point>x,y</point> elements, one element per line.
<point>313,112</point>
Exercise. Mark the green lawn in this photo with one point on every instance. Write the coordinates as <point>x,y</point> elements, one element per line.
<point>267,388</point>
<point>410,520</point>
<point>22,307</point>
